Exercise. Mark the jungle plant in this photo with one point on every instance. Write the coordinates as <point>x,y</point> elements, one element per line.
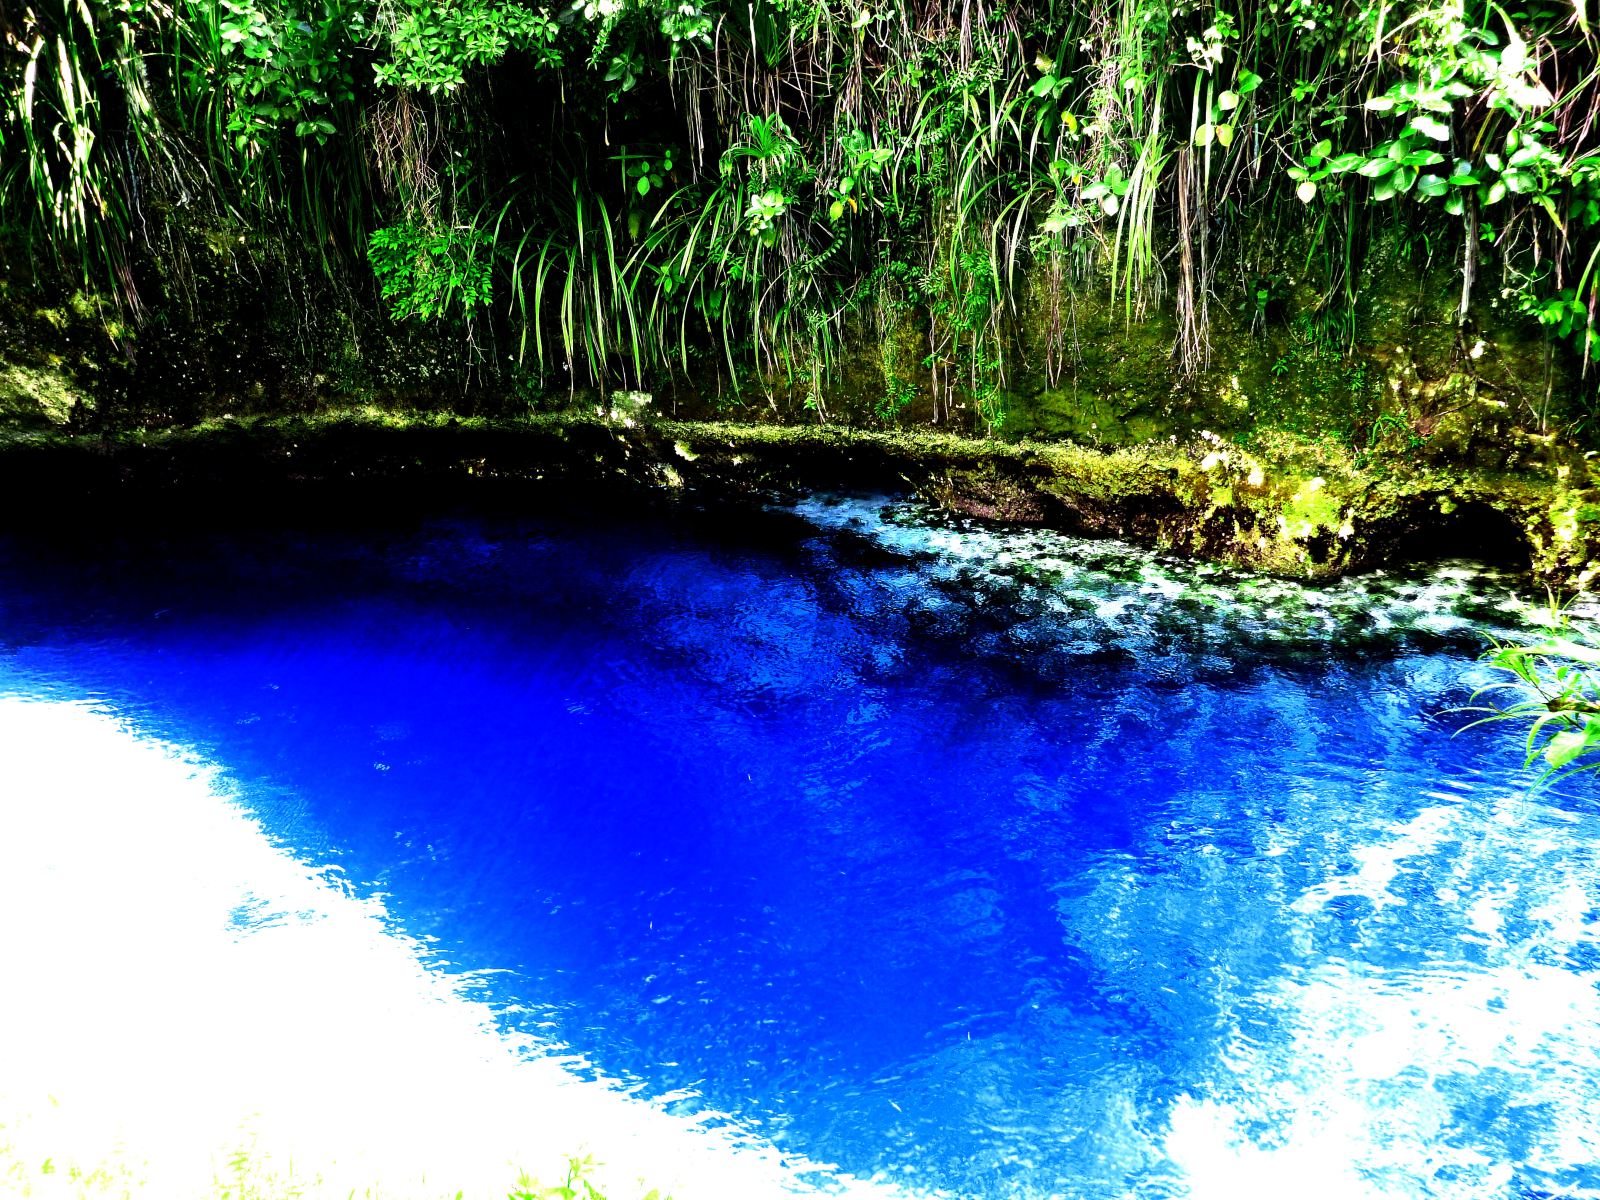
<point>1556,684</point>
<point>433,47</point>
<point>643,173</point>
<point>650,188</point>
<point>428,273</point>
<point>863,164</point>
<point>75,112</point>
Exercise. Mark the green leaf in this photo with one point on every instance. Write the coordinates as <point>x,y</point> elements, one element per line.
<point>1249,81</point>
<point>1375,168</point>
<point>1346,162</point>
<point>1567,745</point>
<point>1379,103</point>
<point>1432,185</point>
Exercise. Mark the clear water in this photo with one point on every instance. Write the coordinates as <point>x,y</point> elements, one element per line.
<point>995,864</point>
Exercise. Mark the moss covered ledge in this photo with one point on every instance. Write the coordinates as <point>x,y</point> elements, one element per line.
<point>1298,510</point>
<point>1294,509</point>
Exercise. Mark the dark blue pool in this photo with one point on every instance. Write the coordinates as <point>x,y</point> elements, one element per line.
<point>907,866</point>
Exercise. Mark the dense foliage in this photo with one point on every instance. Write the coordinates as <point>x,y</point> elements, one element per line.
<point>627,190</point>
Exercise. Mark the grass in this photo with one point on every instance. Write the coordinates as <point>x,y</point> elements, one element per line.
<point>247,1173</point>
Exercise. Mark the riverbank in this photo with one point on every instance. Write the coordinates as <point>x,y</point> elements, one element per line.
<point>1291,507</point>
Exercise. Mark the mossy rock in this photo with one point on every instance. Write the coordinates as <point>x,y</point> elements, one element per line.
<point>1209,498</point>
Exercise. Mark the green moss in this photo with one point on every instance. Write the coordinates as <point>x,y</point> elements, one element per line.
<point>31,396</point>
<point>1208,497</point>
<point>1311,510</point>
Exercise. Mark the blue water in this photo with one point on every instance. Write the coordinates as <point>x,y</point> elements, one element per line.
<point>765,820</point>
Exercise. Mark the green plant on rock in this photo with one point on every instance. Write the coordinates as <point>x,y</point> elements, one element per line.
<point>76,113</point>
<point>285,69</point>
<point>433,47</point>
<point>429,273</point>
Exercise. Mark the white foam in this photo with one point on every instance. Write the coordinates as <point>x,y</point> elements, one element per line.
<point>1128,588</point>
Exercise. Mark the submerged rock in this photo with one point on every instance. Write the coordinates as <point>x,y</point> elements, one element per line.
<point>1066,599</point>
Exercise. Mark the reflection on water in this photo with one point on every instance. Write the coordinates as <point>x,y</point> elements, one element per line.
<point>985,863</point>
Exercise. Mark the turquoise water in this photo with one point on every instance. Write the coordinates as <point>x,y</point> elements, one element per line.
<point>990,862</point>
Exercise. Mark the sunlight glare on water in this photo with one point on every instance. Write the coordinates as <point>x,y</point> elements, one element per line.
<point>189,1011</point>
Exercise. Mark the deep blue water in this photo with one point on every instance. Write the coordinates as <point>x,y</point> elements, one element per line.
<point>762,819</point>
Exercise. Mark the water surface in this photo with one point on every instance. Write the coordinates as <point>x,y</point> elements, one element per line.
<point>992,863</point>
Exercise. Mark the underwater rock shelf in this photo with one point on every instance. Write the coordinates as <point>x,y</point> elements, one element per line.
<point>1298,512</point>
